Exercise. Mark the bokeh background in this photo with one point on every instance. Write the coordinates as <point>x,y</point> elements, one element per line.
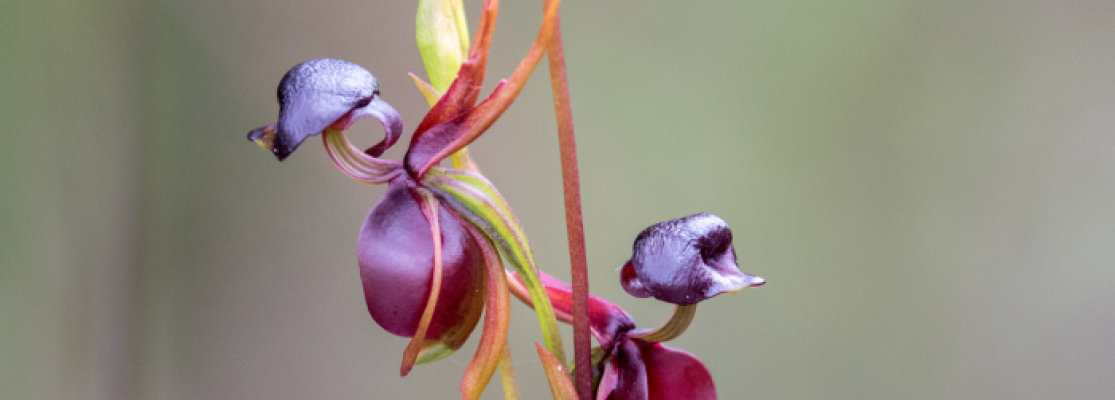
<point>929,187</point>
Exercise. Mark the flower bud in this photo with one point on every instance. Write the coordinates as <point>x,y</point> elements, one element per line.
<point>442,33</point>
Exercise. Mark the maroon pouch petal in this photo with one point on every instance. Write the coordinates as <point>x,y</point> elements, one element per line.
<point>675,374</point>
<point>395,253</point>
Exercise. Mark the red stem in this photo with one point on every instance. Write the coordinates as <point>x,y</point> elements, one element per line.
<point>574,225</point>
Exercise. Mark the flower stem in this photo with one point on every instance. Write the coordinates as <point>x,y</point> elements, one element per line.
<point>574,224</point>
<point>673,328</point>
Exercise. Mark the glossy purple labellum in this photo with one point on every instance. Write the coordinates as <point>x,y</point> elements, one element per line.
<point>685,261</point>
<point>395,253</point>
<point>326,92</point>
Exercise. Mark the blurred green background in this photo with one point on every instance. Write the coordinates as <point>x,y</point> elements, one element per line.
<point>929,187</point>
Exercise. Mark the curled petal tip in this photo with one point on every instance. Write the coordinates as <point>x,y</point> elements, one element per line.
<point>391,120</point>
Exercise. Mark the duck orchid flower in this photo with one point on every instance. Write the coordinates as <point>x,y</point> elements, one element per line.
<point>430,250</point>
<point>688,260</point>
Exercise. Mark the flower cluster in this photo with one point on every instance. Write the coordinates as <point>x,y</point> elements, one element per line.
<point>431,251</point>
<point>681,261</point>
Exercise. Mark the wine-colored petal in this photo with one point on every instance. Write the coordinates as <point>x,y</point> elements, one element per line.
<point>631,283</point>
<point>395,253</point>
<point>464,91</point>
<point>675,374</point>
<point>608,379</point>
<point>428,147</point>
<point>631,382</point>
<point>493,340</point>
<point>460,158</point>
<point>429,206</point>
<point>561,384</point>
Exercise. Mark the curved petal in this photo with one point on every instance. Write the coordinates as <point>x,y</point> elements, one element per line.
<point>474,302</point>
<point>465,89</point>
<point>561,384</point>
<point>675,374</point>
<point>493,340</point>
<point>433,142</point>
<point>355,163</point>
<point>608,378</point>
<point>631,381</point>
<point>475,199</point>
<point>396,258</point>
<point>429,206</point>
<point>391,120</point>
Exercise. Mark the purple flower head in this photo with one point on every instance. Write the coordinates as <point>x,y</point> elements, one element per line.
<point>323,93</point>
<point>685,261</point>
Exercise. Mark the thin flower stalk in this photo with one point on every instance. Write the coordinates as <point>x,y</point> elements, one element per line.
<point>574,221</point>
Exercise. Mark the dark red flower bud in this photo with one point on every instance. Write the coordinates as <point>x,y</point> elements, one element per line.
<point>685,261</point>
<point>396,257</point>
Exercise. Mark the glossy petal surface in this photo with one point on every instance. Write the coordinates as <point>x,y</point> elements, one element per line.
<point>675,374</point>
<point>316,93</point>
<point>685,261</point>
<point>395,253</point>
<point>631,379</point>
